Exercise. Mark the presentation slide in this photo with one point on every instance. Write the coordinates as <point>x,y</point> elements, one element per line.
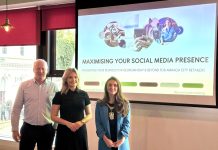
<point>160,54</point>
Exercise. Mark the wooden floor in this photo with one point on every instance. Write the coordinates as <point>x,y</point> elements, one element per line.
<point>8,145</point>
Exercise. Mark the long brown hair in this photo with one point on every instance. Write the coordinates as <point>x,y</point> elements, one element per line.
<point>67,72</point>
<point>121,103</point>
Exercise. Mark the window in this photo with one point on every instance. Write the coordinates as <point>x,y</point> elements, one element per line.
<point>4,50</point>
<point>65,49</point>
<point>14,68</point>
<point>61,51</point>
<point>22,51</point>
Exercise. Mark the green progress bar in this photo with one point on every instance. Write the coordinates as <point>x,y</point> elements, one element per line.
<point>128,83</point>
<point>192,85</point>
<point>165,84</point>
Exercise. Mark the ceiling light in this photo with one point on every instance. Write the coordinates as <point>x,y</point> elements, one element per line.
<point>7,26</point>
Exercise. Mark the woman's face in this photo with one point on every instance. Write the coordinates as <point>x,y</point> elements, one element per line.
<point>72,80</point>
<point>112,87</point>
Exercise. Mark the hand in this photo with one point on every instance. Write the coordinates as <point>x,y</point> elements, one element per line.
<point>119,142</point>
<point>78,124</point>
<point>16,136</point>
<point>74,126</point>
<point>142,42</point>
<point>108,142</point>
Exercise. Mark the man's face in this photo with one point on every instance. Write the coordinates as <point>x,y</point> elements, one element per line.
<point>40,71</point>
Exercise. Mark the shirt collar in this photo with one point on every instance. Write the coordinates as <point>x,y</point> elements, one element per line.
<point>38,83</point>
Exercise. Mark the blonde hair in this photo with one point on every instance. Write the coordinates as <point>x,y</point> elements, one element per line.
<point>67,72</point>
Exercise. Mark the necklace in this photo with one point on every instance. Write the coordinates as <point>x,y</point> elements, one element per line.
<point>111,113</point>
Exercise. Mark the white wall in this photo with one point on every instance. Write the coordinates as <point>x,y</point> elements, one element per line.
<point>155,127</point>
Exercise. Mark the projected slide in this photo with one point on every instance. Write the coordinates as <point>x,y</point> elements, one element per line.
<point>161,51</point>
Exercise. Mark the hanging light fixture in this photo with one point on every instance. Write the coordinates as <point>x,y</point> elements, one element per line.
<point>7,26</point>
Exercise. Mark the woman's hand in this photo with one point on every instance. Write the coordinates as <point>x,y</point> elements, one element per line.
<point>119,142</point>
<point>108,141</point>
<point>74,126</point>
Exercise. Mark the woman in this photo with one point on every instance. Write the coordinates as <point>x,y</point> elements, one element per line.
<point>112,118</point>
<point>72,102</point>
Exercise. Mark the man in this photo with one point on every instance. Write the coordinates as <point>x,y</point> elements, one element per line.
<point>35,95</point>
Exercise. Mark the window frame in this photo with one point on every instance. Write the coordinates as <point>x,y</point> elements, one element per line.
<point>50,56</point>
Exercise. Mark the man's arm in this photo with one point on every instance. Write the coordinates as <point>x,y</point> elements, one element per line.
<point>15,114</point>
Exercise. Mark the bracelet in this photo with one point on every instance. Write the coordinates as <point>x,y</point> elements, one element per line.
<point>83,121</point>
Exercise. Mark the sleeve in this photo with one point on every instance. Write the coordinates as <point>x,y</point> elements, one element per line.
<point>98,122</point>
<point>16,110</point>
<point>125,128</point>
<point>87,99</point>
<point>57,98</point>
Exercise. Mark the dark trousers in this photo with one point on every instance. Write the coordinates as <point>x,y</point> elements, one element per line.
<point>31,135</point>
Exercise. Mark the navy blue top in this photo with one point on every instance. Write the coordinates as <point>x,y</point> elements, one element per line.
<point>72,107</point>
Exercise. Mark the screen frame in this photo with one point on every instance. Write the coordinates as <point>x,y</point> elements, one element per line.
<point>90,4</point>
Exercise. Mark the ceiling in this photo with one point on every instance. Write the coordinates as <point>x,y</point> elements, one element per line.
<point>16,4</point>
